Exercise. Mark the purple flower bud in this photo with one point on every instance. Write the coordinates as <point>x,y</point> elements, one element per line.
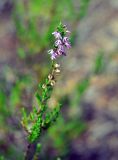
<point>57,35</point>
<point>68,45</point>
<point>53,56</point>
<point>52,53</point>
<point>66,42</point>
<point>61,50</point>
<point>61,43</point>
<point>58,42</point>
<point>65,39</point>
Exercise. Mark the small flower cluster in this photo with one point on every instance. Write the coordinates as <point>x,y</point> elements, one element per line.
<point>61,43</point>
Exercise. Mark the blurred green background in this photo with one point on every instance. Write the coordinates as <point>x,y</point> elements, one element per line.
<point>87,127</point>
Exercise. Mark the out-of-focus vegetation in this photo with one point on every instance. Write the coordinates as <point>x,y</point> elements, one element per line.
<point>34,21</point>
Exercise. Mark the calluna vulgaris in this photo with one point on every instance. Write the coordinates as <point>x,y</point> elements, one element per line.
<point>40,118</point>
<point>61,42</point>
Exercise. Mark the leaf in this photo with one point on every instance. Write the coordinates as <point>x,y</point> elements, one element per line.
<point>99,63</point>
<point>82,86</point>
<point>39,98</point>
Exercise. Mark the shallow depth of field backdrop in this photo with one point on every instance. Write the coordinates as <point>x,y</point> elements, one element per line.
<point>87,127</point>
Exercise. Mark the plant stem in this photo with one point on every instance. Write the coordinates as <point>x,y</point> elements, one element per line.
<point>31,150</point>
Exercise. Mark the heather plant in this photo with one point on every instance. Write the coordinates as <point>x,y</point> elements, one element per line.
<point>33,40</point>
<point>41,117</point>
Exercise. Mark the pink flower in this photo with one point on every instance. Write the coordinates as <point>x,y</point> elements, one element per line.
<point>61,42</point>
<point>57,35</point>
<point>61,50</point>
<point>52,53</point>
<point>53,56</point>
<point>66,42</point>
<point>58,42</point>
<point>68,45</point>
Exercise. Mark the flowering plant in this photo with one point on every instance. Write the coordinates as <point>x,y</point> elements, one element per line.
<point>61,43</point>
<point>41,118</point>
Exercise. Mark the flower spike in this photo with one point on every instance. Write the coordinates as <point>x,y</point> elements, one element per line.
<point>61,42</point>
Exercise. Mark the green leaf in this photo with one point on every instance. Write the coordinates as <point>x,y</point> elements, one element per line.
<point>39,98</point>
<point>83,85</point>
<point>99,63</point>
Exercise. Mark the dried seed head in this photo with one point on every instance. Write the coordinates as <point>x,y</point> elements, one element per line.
<point>52,83</point>
<point>50,77</point>
<point>57,70</point>
<point>57,65</point>
<point>43,86</point>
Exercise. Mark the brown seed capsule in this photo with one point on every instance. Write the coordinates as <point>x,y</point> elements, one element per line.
<point>50,76</point>
<point>57,65</point>
<point>52,83</point>
<point>57,70</point>
<point>43,86</point>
